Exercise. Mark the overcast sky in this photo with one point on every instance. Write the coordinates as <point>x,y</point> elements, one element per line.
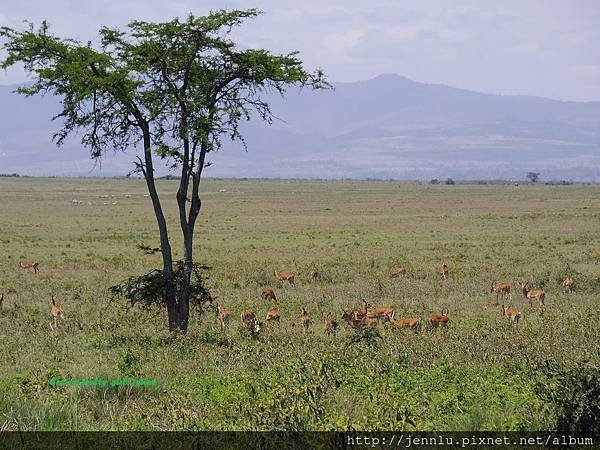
<point>546,48</point>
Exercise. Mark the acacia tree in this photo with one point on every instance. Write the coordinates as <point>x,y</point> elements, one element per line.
<point>176,88</point>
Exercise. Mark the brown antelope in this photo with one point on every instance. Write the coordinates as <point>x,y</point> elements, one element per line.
<point>445,272</point>
<point>30,265</point>
<point>55,311</point>
<point>398,272</point>
<point>501,289</point>
<point>285,276</point>
<point>1,299</point>
<point>531,294</point>
<point>224,318</point>
<point>569,285</point>
<point>409,322</point>
<point>513,315</point>
<point>304,320</point>
<point>437,320</point>
<point>331,327</point>
<point>356,322</point>
<point>314,274</point>
<point>272,316</point>
<point>383,313</point>
<point>268,294</point>
<point>249,320</point>
<point>356,314</point>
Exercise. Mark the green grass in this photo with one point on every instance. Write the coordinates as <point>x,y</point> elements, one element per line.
<point>478,374</point>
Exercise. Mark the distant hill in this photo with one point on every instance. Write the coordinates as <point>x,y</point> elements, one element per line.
<point>386,127</point>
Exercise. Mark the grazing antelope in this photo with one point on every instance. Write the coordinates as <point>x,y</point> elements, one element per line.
<point>224,318</point>
<point>445,272</point>
<point>569,285</point>
<point>384,313</point>
<point>250,321</point>
<point>356,321</point>
<point>409,322</point>
<point>356,314</point>
<point>1,299</point>
<point>30,265</point>
<point>398,272</point>
<point>285,276</point>
<point>314,274</point>
<point>55,311</point>
<point>268,294</point>
<point>437,320</point>
<point>501,289</point>
<point>272,316</point>
<point>513,315</point>
<point>331,327</point>
<point>530,294</point>
<point>304,320</point>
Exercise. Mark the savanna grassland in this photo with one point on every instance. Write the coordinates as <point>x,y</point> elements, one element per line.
<point>479,373</point>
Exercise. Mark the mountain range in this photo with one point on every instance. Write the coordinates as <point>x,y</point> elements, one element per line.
<point>388,127</point>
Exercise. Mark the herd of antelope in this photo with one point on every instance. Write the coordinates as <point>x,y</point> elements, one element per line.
<point>365,317</point>
<point>355,318</point>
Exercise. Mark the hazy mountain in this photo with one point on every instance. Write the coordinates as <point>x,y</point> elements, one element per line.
<point>387,127</point>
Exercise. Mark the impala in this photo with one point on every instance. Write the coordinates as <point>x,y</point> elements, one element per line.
<point>249,319</point>
<point>513,315</point>
<point>445,272</point>
<point>224,318</point>
<point>314,274</point>
<point>331,327</point>
<point>531,294</point>
<point>437,320</point>
<point>398,272</point>
<point>272,316</point>
<point>384,313</point>
<point>1,299</point>
<point>55,311</point>
<point>304,320</point>
<point>30,265</point>
<point>569,285</point>
<point>501,289</point>
<point>285,276</point>
<point>267,294</point>
<point>409,322</point>
<point>356,314</point>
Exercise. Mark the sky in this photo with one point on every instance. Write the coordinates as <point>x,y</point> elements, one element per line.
<point>544,48</point>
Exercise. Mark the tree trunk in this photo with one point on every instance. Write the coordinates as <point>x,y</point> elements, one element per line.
<point>177,310</point>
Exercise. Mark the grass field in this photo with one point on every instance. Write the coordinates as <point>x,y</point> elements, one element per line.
<point>480,373</point>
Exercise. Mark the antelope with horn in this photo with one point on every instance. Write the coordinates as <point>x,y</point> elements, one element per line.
<point>438,320</point>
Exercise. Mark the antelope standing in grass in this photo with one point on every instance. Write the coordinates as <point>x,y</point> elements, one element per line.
<point>501,289</point>
<point>285,276</point>
<point>444,272</point>
<point>268,294</point>
<point>531,294</point>
<point>410,322</point>
<point>398,272</point>
<point>304,321</point>
<point>569,285</point>
<point>331,327</point>
<point>224,318</point>
<point>513,315</point>
<point>384,313</point>
<point>250,321</point>
<point>272,316</point>
<point>30,265</point>
<point>56,311</point>
<point>438,320</point>
<point>1,299</point>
